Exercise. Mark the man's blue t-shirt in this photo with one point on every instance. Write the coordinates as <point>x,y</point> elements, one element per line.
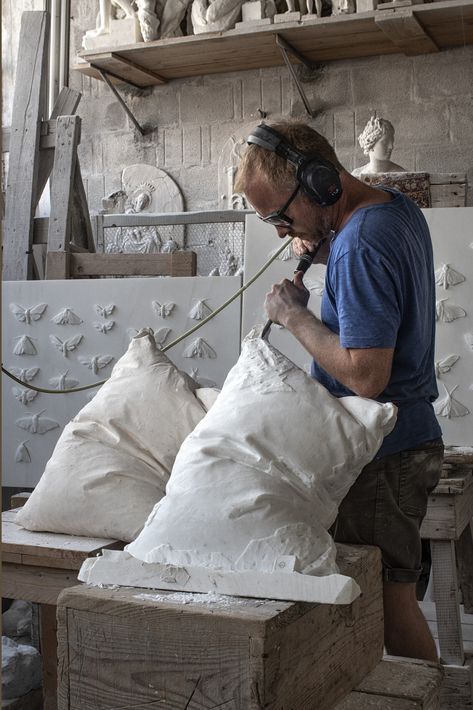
<point>380,293</point>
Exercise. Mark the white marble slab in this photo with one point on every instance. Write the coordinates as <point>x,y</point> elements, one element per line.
<point>76,300</point>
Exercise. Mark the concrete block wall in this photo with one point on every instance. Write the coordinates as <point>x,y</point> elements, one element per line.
<point>429,100</point>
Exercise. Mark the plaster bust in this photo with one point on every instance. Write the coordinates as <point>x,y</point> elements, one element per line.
<point>377,141</point>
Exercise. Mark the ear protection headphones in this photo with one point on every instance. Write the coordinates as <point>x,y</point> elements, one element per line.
<point>318,178</point>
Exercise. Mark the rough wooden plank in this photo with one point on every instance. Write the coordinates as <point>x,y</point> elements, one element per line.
<point>65,105</point>
<point>464,552</point>
<point>448,514</point>
<point>126,69</point>
<point>177,264</point>
<point>35,584</point>
<point>408,679</point>
<point>14,557</point>
<point>448,195</point>
<point>65,156</point>
<point>457,688</point>
<point>447,601</point>
<point>58,265</point>
<point>47,613</point>
<point>39,260</point>
<point>24,147</point>
<point>361,701</point>
<point>405,31</point>
<point>81,228</point>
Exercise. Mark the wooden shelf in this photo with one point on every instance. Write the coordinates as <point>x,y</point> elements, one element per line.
<point>418,29</point>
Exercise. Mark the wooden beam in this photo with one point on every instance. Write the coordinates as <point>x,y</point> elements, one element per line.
<point>125,69</point>
<point>181,263</point>
<point>58,265</point>
<point>24,146</point>
<point>66,104</point>
<point>67,140</point>
<point>81,228</point>
<point>405,31</point>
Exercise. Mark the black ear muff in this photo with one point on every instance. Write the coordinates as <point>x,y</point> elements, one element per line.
<point>318,178</point>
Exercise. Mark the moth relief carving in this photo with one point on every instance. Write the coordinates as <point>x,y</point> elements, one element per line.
<point>22,454</point>
<point>448,312</point>
<point>24,346</point>
<point>200,310</point>
<point>445,364</point>
<point>36,423</point>
<point>161,336</point>
<point>449,407</point>
<point>104,311</point>
<point>104,326</point>
<point>199,348</point>
<point>25,396</point>
<point>26,374</point>
<point>445,276</point>
<point>63,382</point>
<point>96,362</point>
<point>163,310</point>
<point>66,316</point>
<point>28,314</point>
<point>66,346</point>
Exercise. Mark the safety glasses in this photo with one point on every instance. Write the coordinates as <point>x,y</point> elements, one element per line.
<point>278,218</point>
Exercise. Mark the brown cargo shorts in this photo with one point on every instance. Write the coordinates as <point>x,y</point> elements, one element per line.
<point>386,505</point>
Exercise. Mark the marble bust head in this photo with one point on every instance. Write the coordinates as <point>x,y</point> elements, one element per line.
<point>377,141</point>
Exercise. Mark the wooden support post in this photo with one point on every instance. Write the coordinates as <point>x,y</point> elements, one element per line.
<point>49,655</point>
<point>66,104</point>
<point>464,550</point>
<point>67,140</point>
<point>58,265</point>
<point>24,146</point>
<point>81,234</point>
<point>447,602</point>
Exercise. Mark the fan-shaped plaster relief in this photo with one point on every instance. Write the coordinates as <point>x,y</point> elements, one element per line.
<point>36,423</point>
<point>199,348</point>
<point>104,311</point>
<point>66,346</point>
<point>103,326</point>
<point>24,346</point>
<point>63,382</point>
<point>66,316</point>
<point>446,276</point>
<point>163,310</point>
<point>448,312</point>
<point>449,407</point>
<point>445,364</point>
<point>200,310</point>
<point>95,362</point>
<point>22,454</point>
<point>29,313</point>
<point>25,396</point>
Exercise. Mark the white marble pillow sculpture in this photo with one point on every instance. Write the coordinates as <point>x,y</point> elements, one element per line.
<point>260,479</point>
<point>113,460</point>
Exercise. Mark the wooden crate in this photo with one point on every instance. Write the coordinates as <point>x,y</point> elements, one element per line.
<point>133,648</point>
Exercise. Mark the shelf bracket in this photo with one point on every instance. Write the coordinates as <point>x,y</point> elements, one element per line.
<point>287,49</point>
<point>105,76</point>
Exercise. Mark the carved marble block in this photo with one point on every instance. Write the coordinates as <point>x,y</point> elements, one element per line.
<point>122,32</point>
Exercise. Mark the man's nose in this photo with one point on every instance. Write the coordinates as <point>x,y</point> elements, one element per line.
<point>282,231</point>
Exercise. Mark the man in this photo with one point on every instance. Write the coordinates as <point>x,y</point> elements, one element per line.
<point>375,339</point>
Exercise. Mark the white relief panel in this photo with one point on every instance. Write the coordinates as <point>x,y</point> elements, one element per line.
<point>58,336</point>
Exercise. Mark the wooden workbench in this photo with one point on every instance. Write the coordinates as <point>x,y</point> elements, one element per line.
<point>36,567</point>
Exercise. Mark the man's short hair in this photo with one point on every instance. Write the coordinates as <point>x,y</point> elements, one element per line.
<point>276,170</point>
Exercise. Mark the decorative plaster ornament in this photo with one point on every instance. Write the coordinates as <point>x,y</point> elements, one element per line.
<point>66,346</point>
<point>149,21</point>
<point>450,407</point>
<point>103,326</point>
<point>343,7</point>
<point>26,315</point>
<point>199,348</point>
<point>95,362</point>
<point>161,336</point>
<point>448,313</point>
<point>66,317</point>
<point>24,346</point>
<point>200,310</point>
<point>137,240</point>
<point>445,276</point>
<point>104,311</point>
<point>215,15</point>
<point>36,424</point>
<point>110,31</point>
<point>445,365</point>
<point>22,454</point>
<point>25,396</point>
<point>163,310</point>
<point>469,340</point>
<point>62,382</point>
<point>201,381</point>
